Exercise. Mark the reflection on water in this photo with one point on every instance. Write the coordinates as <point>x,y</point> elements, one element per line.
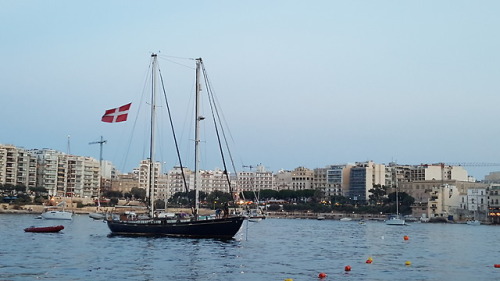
<point>273,249</point>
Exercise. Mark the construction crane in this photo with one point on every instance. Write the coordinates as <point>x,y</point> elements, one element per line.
<point>248,166</point>
<point>100,142</point>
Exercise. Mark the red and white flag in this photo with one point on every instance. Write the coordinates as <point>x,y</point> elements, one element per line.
<point>116,114</point>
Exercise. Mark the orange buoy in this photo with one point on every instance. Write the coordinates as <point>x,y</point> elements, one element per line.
<point>321,275</point>
<point>497,265</point>
<point>347,268</point>
<point>406,238</point>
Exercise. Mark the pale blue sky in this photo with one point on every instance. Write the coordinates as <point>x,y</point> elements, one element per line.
<point>302,83</point>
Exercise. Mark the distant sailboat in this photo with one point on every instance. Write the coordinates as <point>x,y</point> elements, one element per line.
<point>396,220</point>
<point>190,226</point>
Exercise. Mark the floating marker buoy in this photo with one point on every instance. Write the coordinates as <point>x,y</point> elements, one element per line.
<point>321,275</point>
<point>347,268</point>
<point>497,265</point>
<point>406,237</point>
<point>289,279</point>
<point>407,263</point>
<point>369,261</point>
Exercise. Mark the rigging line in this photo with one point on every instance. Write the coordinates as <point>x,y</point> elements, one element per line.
<point>212,105</point>
<point>178,63</point>
<point>136,118</point>
<point>211,93</point>
<point>222,119</point>
<point>173,132</point>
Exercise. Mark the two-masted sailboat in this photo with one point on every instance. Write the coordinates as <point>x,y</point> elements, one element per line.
<point>225,227</point>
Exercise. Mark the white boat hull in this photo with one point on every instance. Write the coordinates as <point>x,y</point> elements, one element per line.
<point>97,216</point>
<point>57,215</point>
<point>474,222</point>
<point>395,221</point>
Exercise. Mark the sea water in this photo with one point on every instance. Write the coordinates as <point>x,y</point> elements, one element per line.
<point>273,249</point>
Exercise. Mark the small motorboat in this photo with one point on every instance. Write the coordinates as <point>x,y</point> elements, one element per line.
<point>56,228</point>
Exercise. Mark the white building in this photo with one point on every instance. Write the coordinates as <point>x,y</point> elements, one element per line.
<point>444,201</point>
<point>17,166</point>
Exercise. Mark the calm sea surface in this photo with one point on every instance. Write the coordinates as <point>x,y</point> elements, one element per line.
<point>273,249</point>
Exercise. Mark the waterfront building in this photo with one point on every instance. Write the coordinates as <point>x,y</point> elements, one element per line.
<point>125,182</point>
<point>175,180</point>
<point>493,177</point>
<point>494,203</point>
<point>215,180</point>
<point>363,176</point>
<point>321,183</point>
<point>256,181</point>
<point>78,176</point>
<point>160,180</point>
<point>443,202</point>
<point>66,175</point>
<point>17,166</point>
<point>302,179</point>
<point>283,180</point>
<point>477,203</point>
<point>426,193</point>
<point>263,179</point>
<point>333,180</point>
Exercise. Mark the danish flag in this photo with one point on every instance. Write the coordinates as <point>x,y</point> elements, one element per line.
<point>118,114</point>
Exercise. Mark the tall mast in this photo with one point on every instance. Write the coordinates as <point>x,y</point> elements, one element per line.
<point>151,179</point>
<point>198,118</point>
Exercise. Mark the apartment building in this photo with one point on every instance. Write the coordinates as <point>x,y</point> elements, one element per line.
<point>257,180</point>
<point>66,175</point>
<point>302,178</point>
<point>494,203</point>
<point>17,166</point>
<point>282,180</point>
<point>332,180</point>
<point>362,178</point>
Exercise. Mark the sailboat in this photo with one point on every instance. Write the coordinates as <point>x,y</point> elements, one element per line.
<point>55,213</point>
<point>396,220</point>
<point>195,227</point>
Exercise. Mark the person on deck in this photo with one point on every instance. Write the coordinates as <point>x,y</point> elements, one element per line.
<point>226,210</point>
